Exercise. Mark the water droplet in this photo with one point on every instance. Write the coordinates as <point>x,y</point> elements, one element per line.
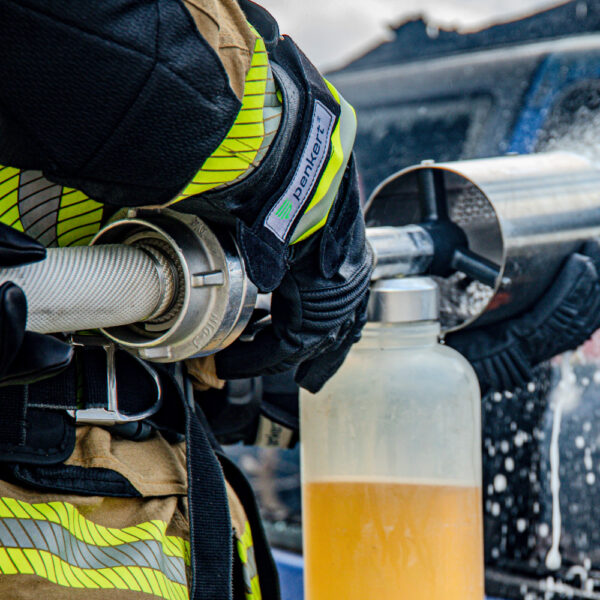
<point>499,485</point>
<point>543,529</point>
<point>590,478</point>
<point>553,562</point>
<point>520,438</point>
<point>587,459</point>
<point>521,525</point>
<point>432,31</point>
<point>579,441</point>
<point>509,464</point>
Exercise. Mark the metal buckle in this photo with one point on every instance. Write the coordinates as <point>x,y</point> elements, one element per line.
<point>110,415</point>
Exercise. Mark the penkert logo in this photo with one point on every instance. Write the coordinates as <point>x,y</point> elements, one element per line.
<point>285,210</point>
<point>282,215</point>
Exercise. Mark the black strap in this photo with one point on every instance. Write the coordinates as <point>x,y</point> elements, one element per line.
<point>211,532</point>
<point>35,427</point>
<point>210,524</point>
<point>267,571</point>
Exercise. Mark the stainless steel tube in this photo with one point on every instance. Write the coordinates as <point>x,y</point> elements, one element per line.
<point>111,285</point>
<point>404,250</point>
<point>89,287</point>
<point>525,214</point>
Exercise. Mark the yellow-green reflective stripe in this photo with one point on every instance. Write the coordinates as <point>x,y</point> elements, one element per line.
<point>38,535</point>
<point>342,140</point>
<point>240,147</point>
<point>61,573</point>
<point>9,197</point>
<point>79,218</point>
<point>245,549</point>
<point>55,541</point>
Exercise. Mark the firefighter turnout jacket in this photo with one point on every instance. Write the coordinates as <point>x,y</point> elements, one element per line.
<point>140,103</point>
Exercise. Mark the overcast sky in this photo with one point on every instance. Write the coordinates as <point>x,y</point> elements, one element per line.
<point>333,31</point>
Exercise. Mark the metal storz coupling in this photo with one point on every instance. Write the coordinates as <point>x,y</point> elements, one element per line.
<point>204,297</point>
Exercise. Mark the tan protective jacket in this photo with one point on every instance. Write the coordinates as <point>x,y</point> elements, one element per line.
<point>55,546</point>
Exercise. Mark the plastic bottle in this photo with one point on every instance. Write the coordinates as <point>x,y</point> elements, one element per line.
<point>391,462</point>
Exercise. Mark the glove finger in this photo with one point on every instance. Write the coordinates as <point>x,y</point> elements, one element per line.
<point>578,273</point>
<point>40,356</point>
<point>267,353</point>
<point>313,374</point>
<point>566,317</point>
<point>591,248</point>
<point>13,316</point>
<point>488,375</point>
<point>517,370</point>
<point>17,248</point>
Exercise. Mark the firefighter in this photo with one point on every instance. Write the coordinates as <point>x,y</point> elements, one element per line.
<point>200,106</point>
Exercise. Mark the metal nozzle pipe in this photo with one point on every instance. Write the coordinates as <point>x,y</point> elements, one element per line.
<point>400,250</point>
<point>520,216</point>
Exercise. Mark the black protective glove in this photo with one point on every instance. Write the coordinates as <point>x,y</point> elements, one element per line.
<point>24,356</point>
<point>503,354</point>
<point>319,308</point>
<point>320,278</point>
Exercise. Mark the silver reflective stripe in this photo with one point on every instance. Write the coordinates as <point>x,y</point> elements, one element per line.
<point>311,218</point>
<point>293,200</point>
<point>39,201</point>
<point>45,535</point>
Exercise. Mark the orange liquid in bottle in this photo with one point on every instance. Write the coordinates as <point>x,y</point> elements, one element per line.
<point>387,540</point>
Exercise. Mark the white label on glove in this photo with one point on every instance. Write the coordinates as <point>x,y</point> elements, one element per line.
<point>282,215</point>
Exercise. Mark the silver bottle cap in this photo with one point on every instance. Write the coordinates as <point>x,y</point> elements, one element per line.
<point>404,300</point>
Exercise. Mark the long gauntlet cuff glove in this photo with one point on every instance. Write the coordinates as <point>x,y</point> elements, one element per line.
<point>319,308</point>
<point>298,224</point>
<point>504,354</point>
<point>24,356</point>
